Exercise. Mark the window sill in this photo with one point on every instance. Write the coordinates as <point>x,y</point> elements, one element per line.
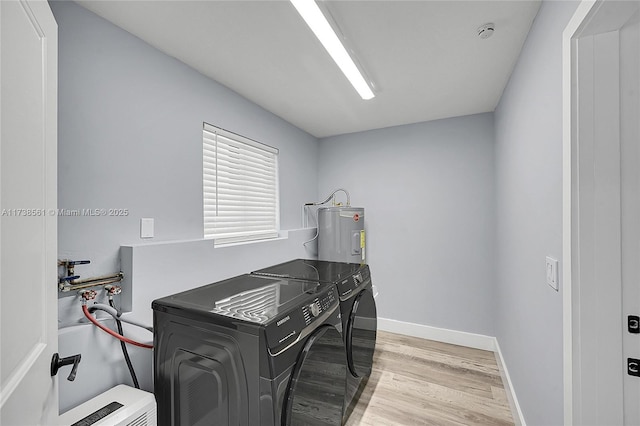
<point>282,235</point>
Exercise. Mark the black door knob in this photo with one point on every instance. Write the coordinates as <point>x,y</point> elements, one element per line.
<point>57,362</point>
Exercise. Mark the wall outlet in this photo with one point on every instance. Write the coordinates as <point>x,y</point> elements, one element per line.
<point>552,273</point>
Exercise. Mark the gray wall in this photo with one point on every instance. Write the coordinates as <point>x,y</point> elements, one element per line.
<point>528,164</point>
<point>130,136</point>
<point>428,194</point>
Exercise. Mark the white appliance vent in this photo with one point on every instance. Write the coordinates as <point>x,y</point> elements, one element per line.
<point>119,406</point>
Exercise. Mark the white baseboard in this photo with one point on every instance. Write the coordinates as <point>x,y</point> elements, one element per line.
<point>518,418</point>
<point>454,337</point>
<point>478,341</point>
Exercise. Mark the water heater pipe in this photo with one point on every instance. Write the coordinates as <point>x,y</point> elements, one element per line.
<point>331,196</point>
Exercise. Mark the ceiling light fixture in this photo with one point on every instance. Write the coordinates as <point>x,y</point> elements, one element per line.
<point>318,23</point>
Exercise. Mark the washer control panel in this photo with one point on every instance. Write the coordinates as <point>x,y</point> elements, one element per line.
<point>319,305</point>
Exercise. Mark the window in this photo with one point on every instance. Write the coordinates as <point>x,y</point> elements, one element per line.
<point>240,187</point>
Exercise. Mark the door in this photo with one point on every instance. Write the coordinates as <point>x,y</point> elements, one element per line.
<point>361,334</point>
<point>629,40</point>
<point>316,392</point>
<point>28,199</point>
<point>601,210</point>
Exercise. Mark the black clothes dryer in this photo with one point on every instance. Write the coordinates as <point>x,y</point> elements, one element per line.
<point>250,351</point>
<point>357,306</point>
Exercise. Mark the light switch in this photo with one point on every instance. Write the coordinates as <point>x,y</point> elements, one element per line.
<point>146,227</point>
<point>552,273</point>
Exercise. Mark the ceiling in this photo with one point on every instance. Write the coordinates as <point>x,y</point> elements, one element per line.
<point>424,57</point>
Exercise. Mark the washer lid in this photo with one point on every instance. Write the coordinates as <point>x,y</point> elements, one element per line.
<point>313,270</point>
<point>248,298</point>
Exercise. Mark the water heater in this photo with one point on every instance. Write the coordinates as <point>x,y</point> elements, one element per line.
<point>341,234</point>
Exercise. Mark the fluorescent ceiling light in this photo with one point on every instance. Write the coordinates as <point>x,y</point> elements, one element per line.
<point>313,16</point>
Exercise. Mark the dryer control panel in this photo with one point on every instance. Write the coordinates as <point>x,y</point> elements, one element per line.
<point>286,329</point>
<point>352,285</point>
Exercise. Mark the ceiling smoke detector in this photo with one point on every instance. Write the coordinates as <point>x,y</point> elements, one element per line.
<point>486,30</point>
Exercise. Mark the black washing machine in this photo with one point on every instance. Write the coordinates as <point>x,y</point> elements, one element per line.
<point>250,351</point>
<point>357,306</point>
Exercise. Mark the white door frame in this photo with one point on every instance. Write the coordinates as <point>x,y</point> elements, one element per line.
<point>592,284</point>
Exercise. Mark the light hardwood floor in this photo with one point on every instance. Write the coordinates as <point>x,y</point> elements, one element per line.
<point>422,382</point>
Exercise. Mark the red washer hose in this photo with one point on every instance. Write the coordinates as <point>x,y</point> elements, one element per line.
<point>111,332</point>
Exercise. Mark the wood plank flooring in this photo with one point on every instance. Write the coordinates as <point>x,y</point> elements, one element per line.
<point>422,382</point>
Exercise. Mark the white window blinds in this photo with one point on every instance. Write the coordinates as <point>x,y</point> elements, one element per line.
<point>240,187</point>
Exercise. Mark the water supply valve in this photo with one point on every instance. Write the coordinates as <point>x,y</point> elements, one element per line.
<point>112,290</point>
<point>69,266</point>
<point>87,295</point>
<point>69,271</point>
<point>69,281</point>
